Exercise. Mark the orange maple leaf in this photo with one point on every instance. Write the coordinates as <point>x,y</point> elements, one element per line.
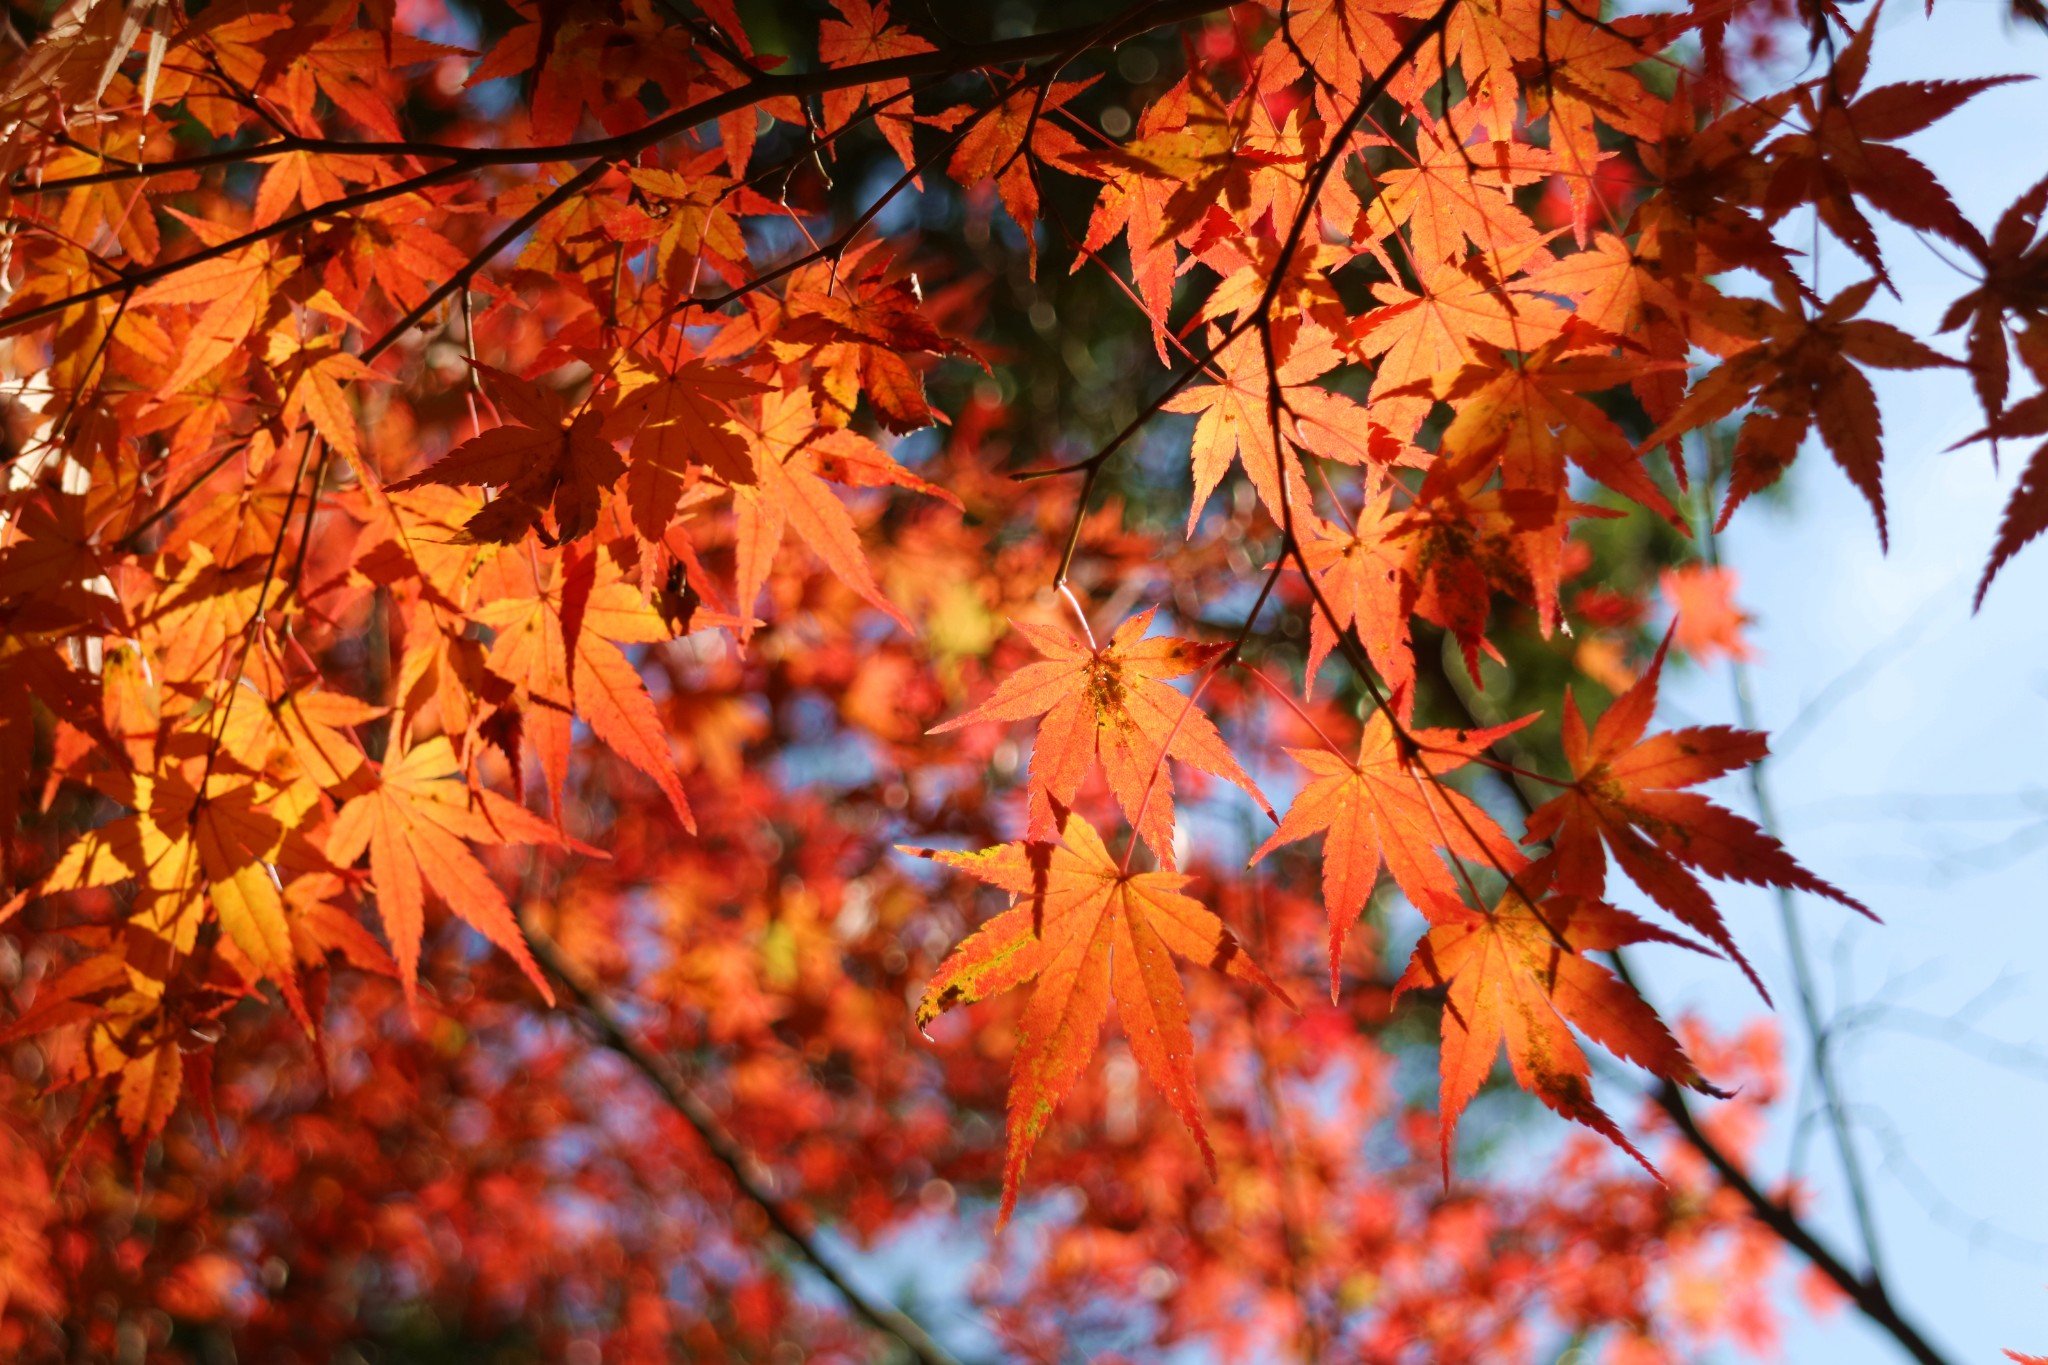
<point>1234,423</point>
<point>1466,537</point>
<point>1518,974</point>
<point>1588,73</point>
<point>1427,333</point>
<point>1530,413</point>
<point>1452,193</point>
<point>556,644</point>
<point>1626,288</point>
<point>789,492</point>
<point>1088,932</point>
<point>994,149</point>
<point>413,823</point>
<point>552,457</point>
<point>1134,203</point>
<point>1625,792</point>
<point>1389,806</point>
<point>1199,149</point>
<point>864,34</point>
<point>684,421</point>
<point>1343,44</point>
<point>1111,702</point>
<point>190,853</point>
<point>1360,574</point>
<point>235,292</point>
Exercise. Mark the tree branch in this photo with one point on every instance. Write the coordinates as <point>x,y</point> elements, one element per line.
<point>747,1175</point>
<point>1867,1293</point>
<point>462,160</point>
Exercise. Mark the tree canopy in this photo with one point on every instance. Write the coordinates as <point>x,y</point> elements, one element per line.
<point>627,624</point>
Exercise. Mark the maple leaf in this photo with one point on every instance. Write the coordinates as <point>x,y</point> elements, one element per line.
<point>1200,151</point>
<point>1709,177</point>
<point>1519,974</point>
<point>555,643</point>
<point>1111,703</point>
<point>414,823</point>
<point>551,458</point>
<point>995,149</point>
<point>2026,512</point>
<point>1578,73</point>
<point>191,853</point>
<point>2014,285</point>
<point>317,374</point>
<point>692,214</point>
<point>1454,193</point>
<point>1628,289</point>
<point>236,293</point>
<point>1845,153</point>
<point>1133,203</point>
<point>1088,932</point>
<point>866,324</point>
<point>683,419</point>
<point>1478,39</point>
<point>1360,572</point>
<point>1625,793</point>
<point>302,178</point>
<point>863,33</point>
<point>1705,619</point>
<point>789,492</point>
<point>1420,335</point>
<point>1234,423</point>
<point>1530,414</point>
<point>1341,42</point>
<point>1390,806</point>
<point>1465,537</point>
<point>355,69</point>
<point>1800,376</point>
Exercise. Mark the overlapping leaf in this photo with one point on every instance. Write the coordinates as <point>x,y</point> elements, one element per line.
<point>1519,975</point>
<point>416,824</point>
<point>1389,806</point>
<point>1088,932</point>
<point>1627,794</point>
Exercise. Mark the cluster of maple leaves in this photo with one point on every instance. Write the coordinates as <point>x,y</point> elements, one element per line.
<point>404,500</point>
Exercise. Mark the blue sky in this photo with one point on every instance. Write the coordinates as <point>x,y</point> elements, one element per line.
<point>1917,778</point>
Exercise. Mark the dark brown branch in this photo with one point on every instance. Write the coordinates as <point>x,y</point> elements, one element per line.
<point>951,61</point>
<point>1868,1294</point>
<point>746,1173</point>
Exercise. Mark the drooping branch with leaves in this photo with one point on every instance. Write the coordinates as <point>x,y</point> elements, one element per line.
<point>638,475</point>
